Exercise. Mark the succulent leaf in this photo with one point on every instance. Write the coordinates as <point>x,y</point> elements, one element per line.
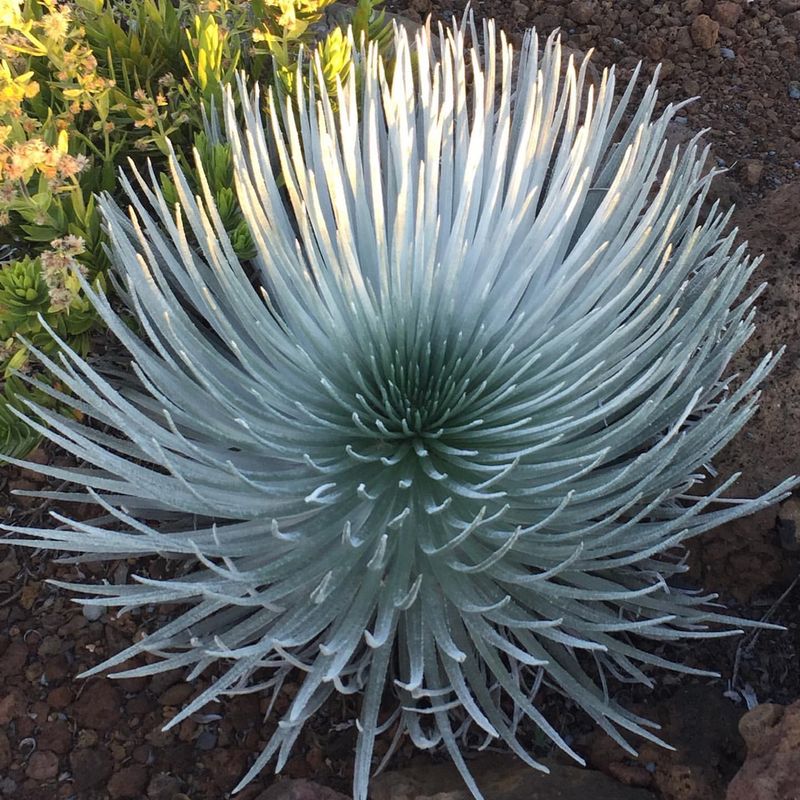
<point>23,295</point>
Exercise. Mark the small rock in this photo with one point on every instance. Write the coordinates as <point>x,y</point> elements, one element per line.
<point>143,754</point>
<point>87,738</point>
<point>789,524</point>
<point>13,660</point>
<point>772,766</point>
<point>93,613</point>
<point>161,681</point>
<point>520,9</point>
<point>667,68</point>
<point>544,23</point>
<point>163,786</point>
<point>727,53</point>
<point>90,767</point>
<point>752,170</point>
<point>55,735</point>
<point>12,706</point>
<point>99,706</point>
<point>42,766</point>
<point>691,87</point>
<point>73,625</point>
<point>128,783</point>
<point>50,646</point>
<point>581,11</point>
<point>655,48</point>
<point>792,21</point>
<point>299,790</point>
<point>176,695</point>
<point>60,697</point>
<point>727,13</point>
<point>757,723</point>
<point>207,740</point>
<point>9,567</point>
<point>226,766</point>
<point>794,90</point>
<point>783,7</point>
<point>704,31</point>
<point>682,39</point>
<point>56,669</point>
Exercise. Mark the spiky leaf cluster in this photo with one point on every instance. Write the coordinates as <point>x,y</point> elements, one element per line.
<point>23,295</point>
<point>453,446</point>
<point>17,438</point>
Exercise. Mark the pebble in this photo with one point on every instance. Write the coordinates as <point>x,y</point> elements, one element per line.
<point>581,11</point>
<point>9,567</point>
<point>794,90</point>
<point>752,170</point>
<point>60,697</point>
<point>90,767</point>
<point>704,31</point>
<point>129,783</point>
<point>544,23</point>
<point>520,9</point>
<point>13,660</point>
<point>207,740</point>
<point>12,706</point>
<point>792,22</point>
<point>55,735</point>
<point>99,706</point>
<point>176,695</point>
<point>93,613</point>
<point>163,786</point>
<point>788,525</point>
<point>727,53</point>
<point>727,13</point>
<point>787,6</point>
<point>42,766</point>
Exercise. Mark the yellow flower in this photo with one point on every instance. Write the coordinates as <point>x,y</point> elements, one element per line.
<point>10,16</point>
<point>15,89</point>
<point>55,25</point>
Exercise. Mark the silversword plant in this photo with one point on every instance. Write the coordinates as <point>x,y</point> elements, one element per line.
<point>450,450</point>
